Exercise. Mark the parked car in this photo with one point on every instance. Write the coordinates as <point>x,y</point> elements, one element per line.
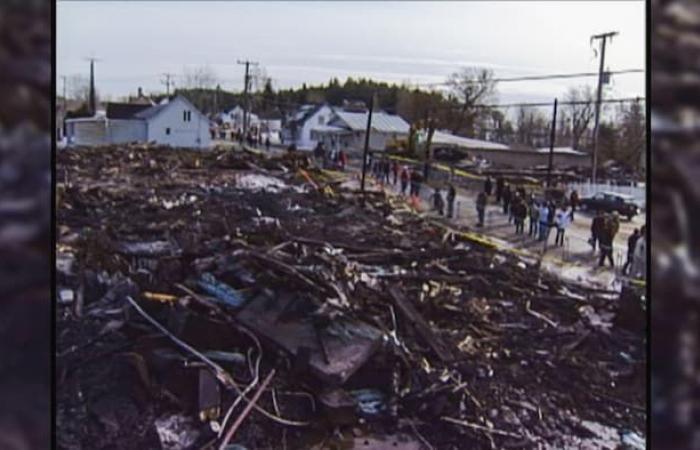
<point>609,202</point>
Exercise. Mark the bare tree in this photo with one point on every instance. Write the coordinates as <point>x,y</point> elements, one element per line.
<point>469,87</point>
<point>200,77</point>
<point>533,127</point>
<point>78,87</point>
<point>580,115</point>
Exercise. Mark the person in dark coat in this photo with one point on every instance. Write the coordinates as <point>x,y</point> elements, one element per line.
<point>507,197</point>
<point>605,239</point>
<point>596,229</point>
<point>481,208</point>
<point>573,200</point>
<point>438,202</point>
<point>519,213</point>
<point>387,171</point>
<point>451,195</point>
<point>500,184</point>
<point>551,214</point>
<point>488,186</point>
<point>631,243</point>
<point>395,171</point>
<point>267,143</point>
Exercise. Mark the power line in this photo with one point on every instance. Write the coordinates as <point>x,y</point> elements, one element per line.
<point>543,77</point>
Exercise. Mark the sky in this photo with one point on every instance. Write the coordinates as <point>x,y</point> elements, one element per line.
<point>309,42</point>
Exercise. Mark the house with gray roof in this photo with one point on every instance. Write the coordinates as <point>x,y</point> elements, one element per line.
<point>346,130</point>
<point>176,123</point>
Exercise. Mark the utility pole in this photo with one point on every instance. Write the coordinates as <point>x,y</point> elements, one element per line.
<point>246,84</point>
<point>603,39</point>
<point>92,101</point>
<point>364,154</point>
<point>167,82</point>
<point>551,144</point>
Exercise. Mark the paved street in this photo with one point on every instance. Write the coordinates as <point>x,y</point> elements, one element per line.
<point>575,259</point>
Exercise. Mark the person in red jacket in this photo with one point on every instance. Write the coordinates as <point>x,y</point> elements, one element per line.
<point>404,180</point>
<point>343,158</point>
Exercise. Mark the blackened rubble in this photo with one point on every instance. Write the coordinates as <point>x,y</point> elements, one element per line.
<point>381,327</point>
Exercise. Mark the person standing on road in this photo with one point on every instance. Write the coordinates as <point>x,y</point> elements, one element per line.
<point>267,144</point>
<point>544,226</point>
<point>605,239</point>
<point>488,186</point>
<point>481,208</point>
<point>534,218</point>
<point>562,222</point>
<point>500,184</point>
<point>631,243</point>
<point>451,195</point>
<point>596,228</point>
<point>387,171</point>
<point>506,194</point>
<point>519,213</point>
<point>395,170</point>
<point>551,215</point>
<point>573,199</point>
<point>404,180</point>
<point>343,158</point>
<point>438,202</point>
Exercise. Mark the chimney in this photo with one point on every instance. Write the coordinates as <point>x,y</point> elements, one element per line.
<point>140,92</point>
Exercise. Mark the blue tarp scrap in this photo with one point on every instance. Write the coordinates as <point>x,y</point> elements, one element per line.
<point>221,291</point>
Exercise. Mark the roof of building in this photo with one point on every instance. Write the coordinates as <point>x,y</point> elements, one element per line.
<point>381,121</point>
<point>445,138</point>
<point>124,110</point>
<point>561,151</point>
<point>330,129</point>
<point>150,112</point>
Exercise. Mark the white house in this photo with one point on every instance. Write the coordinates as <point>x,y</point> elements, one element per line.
<point>298,128</point>
<point>347,129</point>
<point>234,119</point>
<point>176,123</point>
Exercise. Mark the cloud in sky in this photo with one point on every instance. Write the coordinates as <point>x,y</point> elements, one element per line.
<point>312,41</point>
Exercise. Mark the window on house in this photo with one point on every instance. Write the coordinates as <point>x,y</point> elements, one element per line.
<point>320,120</point>
<point>167,131</point>
<point>184,116</point>
<point>189,116</point>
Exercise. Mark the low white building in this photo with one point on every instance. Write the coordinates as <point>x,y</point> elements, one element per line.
<point>298,128</point>
<point>176,123</point>
<point>234,119</point>
<point>346,130</point>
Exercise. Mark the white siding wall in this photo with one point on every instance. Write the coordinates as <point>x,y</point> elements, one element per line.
<point>194,133</point>
<point>304,141</point>
<point>124,131</point>
<point>87,132</point>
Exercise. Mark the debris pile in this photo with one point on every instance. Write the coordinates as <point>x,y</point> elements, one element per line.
<point>221,298</point>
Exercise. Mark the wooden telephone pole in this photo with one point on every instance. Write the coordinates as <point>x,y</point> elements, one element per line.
<point>246,85</point>
<point>603,39</point>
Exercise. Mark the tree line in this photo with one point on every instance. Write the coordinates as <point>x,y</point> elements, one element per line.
<point>458,108</point>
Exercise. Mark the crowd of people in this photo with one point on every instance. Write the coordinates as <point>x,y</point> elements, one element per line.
<point>546,215</point>
<point>335,159</point>
<point>521,207</point>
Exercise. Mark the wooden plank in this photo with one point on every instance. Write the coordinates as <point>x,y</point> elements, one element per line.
<point>414,317</point>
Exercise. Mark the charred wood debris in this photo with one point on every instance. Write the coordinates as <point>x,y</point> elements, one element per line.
<point>224,299</point>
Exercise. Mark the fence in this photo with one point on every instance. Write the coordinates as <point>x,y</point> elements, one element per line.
<point>638,192</point>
